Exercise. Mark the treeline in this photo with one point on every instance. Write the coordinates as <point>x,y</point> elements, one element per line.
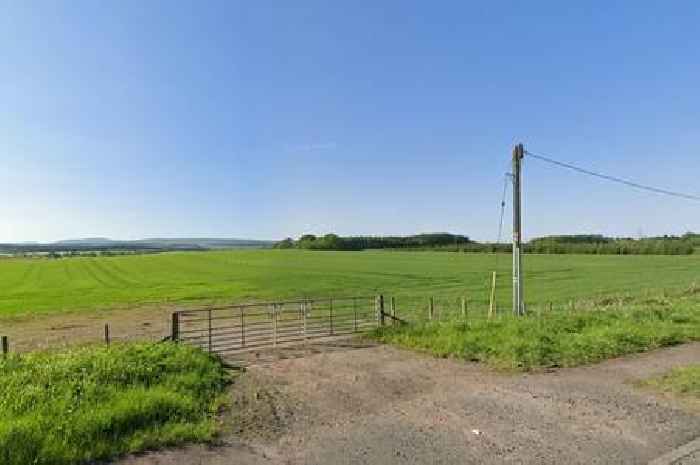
<point>691,238</point>
<point>590,244</point>
<point>614,247</point>
<point>594,245</point>
<point>335,242</point>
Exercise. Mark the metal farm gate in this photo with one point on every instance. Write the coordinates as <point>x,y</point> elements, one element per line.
<point>239,328</point>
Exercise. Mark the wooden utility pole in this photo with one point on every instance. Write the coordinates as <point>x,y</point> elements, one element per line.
<point>518,305</point>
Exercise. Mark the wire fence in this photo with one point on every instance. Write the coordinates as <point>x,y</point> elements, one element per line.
<point>236,329</point>
<point>258,326</point>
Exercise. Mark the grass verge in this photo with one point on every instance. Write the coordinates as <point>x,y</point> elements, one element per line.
<point>683,382</point>
<point>557,339</point>
<point>76,406</point>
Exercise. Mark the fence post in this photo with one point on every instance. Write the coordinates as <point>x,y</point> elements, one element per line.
<point>330,314</point>
<point>175,334</point>
<point>431,308</point>
<point>393,311</point>
<point>5,346</point>
<point>107,333</point>
<point>209,345</point>
<point>550,307</point>
<point>381,307</point>
<point>274,325</point>
<point>492,303</point>
<point>380,310</point>
<point>376,311</point>
<point>354,312</point>
<point>302,307</point>
<point>242,328</point>
<point>464,308</point>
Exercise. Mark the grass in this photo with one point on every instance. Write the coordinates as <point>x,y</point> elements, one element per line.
<point>80,405</point>
<point>683,382</point>
<point>560,339</point>
<point>33,287</point>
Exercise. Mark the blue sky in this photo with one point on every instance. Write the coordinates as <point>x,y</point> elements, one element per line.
<point>139,119</point>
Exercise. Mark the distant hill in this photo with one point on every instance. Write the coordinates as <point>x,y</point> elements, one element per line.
<point>88,240</point>
<point>151,244</point>
<point>207,242</point>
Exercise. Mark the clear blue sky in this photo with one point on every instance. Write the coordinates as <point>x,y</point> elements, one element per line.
<point>137,119</point>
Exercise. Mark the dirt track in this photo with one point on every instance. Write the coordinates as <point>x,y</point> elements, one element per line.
<point>382,405</point>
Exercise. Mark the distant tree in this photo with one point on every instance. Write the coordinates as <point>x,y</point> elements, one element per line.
<point>307,241</point>
<point>331,242</point>
<point>287,243</point>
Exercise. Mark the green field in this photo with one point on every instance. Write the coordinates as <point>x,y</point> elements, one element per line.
<point>43,286</point>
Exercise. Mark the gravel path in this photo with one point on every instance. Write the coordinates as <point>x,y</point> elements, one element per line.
<point>381,405</point>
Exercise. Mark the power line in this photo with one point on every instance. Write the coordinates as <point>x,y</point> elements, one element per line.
<point>503,208</point>
<point>497,254</point>
<point>614,178</point>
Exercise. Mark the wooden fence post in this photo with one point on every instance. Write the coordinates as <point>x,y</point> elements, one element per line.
<point>242,315</point>
<point>302,306</point>
<point>376,311</point>
<point>492,303</point>
<point>209,327</point>
<point>330,314</point>
<point>464,308</point>
<point>431,308</point>
<point>380,310</point>
<point>175,329</point>
<point>354,312</point>
<point>393,311</point>
<point>107,333</point>
<point>5,346</point>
